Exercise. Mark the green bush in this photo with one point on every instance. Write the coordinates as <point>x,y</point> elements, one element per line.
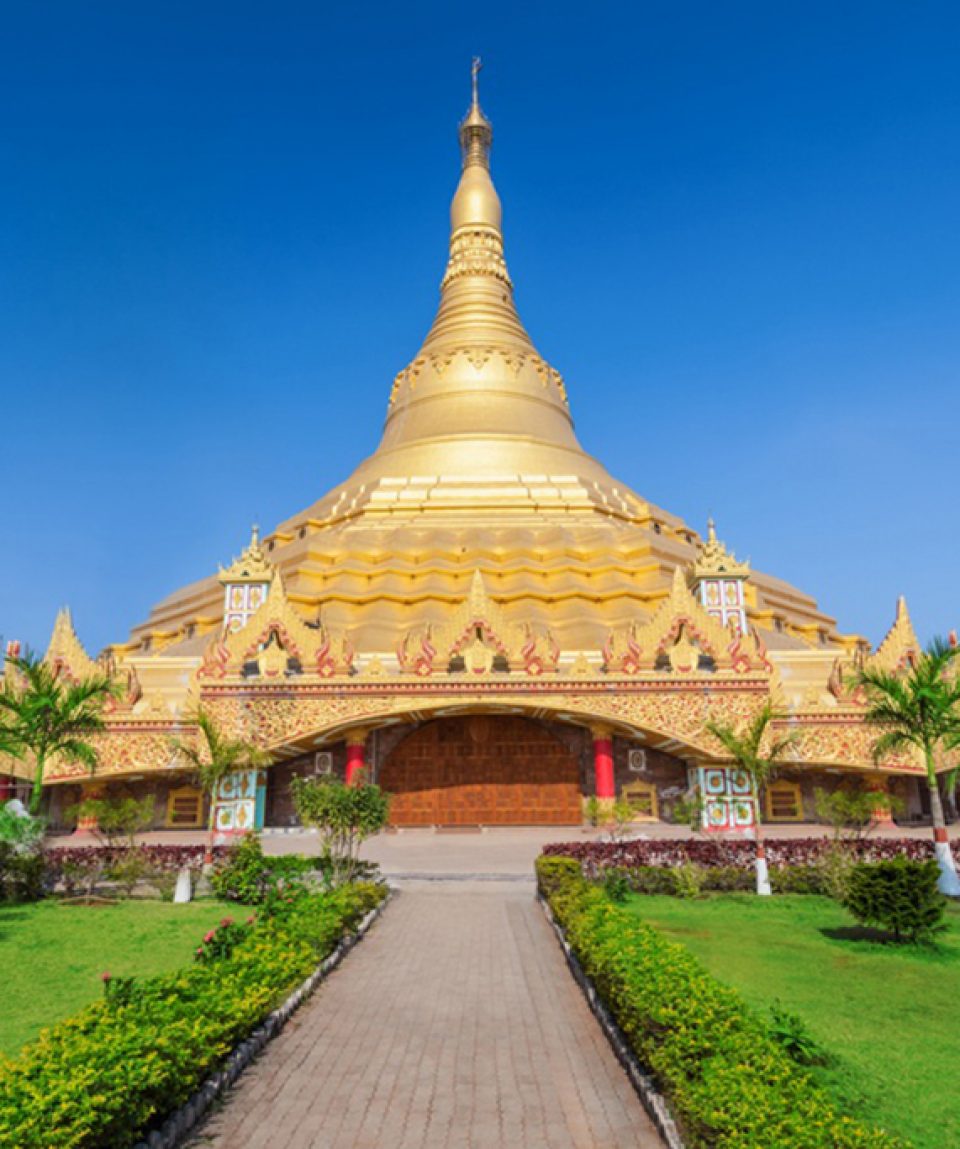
<point>798,880</point>
<point>247,875</point>
<point>22,874</point>
<point>900,896</point>
<point>103,1078</point>
<point>730,1083</point>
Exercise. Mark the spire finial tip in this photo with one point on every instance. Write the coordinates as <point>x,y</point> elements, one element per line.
<point>475,67</point>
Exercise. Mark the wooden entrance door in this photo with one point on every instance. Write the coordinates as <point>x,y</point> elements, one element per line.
<point>482,770</point>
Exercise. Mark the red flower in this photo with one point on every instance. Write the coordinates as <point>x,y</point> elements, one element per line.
<point>226,921</point>
<point>210,936</point>
<point>251,919</point>
<point>105,976</point>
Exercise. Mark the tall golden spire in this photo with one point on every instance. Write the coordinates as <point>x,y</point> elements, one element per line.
<point>478,421</point>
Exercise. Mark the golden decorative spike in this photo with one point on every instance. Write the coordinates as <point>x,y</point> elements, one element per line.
<point>900,644</point>
<point>66,651</point>
<point>714,559</point>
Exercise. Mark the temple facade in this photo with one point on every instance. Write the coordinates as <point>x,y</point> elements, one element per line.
<point>484,620</point>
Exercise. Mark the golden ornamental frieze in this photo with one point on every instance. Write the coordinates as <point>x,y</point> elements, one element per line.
<point>274,719</point>
<point>479,356</point>
<point>476,251</point>
<point>840,740</point>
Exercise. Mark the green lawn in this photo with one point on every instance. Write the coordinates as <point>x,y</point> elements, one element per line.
<point>52,955</point>
<point>889,1014</point>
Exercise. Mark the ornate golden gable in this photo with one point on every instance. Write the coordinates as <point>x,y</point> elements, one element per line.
<point>680,632</point>
<point>252,565</point>
<point>274,636</point>
<point>478,632</point>
<point>715,561</point>
<point>900,646</point>
<point>66,653</point>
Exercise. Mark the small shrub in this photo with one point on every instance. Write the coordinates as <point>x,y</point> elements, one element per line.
<point>22,874</point>
<point>899,896</point>
<point>247,875</point>
<point>688,880</point>
<point>835,867</point>
<point>617,885</point>
<point>797,880</point>
<point>221,941</point>
<point>129,870</point>
<point>591,810</point>
<point>344,815</point>
<point>728,879</point>
<point>791,1033</point>
<point>118,991</point>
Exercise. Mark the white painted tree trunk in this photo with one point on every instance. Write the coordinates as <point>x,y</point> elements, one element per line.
<point>184,890</point>
<point>763,874</point>
<point>949,883</point>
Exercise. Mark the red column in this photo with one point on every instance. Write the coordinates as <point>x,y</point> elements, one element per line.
<point>356,762</point>
<point>604,785</point>
<point>881,813</point>
<point>87,823</point>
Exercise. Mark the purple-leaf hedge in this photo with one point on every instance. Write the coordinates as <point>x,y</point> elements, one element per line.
<point>595,857</point>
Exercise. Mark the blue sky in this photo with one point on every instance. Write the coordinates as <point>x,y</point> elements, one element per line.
<point>733,228</point>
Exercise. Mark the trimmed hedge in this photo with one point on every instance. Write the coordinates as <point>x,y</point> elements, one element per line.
<point>105,1077</point>
<point>781,852</point>
<point>169,859</point>
<point>731,1086</point>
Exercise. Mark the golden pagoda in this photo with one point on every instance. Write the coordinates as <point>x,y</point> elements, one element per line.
<point>481,616</point>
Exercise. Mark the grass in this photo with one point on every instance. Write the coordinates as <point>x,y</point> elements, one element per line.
<point>889,1015</point>
<point>52,955</point>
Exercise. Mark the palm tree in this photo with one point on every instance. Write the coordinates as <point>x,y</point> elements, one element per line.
<point>45,715</point>
<point>920,708</point>
<point>746,748</point>
<point>213,756</point>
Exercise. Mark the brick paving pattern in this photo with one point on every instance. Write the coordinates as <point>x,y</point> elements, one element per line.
<point>455,1023</point>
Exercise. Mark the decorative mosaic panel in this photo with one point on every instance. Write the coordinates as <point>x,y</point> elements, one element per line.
<point>240,602</point>
<point>728,804</point>
<point>239,803</point>
<point>722,598</point>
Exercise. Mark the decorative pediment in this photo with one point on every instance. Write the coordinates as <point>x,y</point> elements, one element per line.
<point>65,652</point>
<point>277,640</point>
<point>478,634</point>
<point>715,561</point>
<point>252,565</point>
<point>900,646</point>
<point>682,638</point>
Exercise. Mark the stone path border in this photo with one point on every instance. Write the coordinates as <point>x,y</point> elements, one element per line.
<point>182,1121</point>
<point>651,1098</point>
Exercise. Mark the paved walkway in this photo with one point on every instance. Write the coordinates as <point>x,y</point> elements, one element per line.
<point>454,1023</point>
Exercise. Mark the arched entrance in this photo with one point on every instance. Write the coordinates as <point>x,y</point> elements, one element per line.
<point>482,769</point>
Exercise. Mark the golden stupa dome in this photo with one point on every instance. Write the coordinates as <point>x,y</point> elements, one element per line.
<point>479,468</point>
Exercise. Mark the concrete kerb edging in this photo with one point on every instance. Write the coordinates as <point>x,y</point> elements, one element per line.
<point>651,1098</point>
<point>182,1121</point>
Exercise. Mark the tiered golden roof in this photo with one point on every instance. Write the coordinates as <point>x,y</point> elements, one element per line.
<point>479,468</point>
